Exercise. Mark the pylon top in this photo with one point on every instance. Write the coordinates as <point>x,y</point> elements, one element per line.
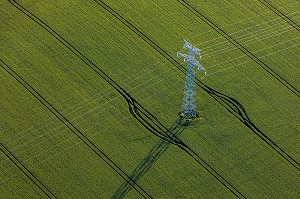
<point>192,50</point>
<point>190,58</point>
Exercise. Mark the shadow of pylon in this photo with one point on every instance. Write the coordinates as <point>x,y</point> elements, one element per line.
<point>157,151</point>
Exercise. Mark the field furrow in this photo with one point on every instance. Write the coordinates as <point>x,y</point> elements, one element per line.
<point>91,91</point>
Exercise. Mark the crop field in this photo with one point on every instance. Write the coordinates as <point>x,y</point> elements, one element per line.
<point>91,90</point>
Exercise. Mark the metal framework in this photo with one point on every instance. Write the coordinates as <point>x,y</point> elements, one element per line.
<point>189,107</point>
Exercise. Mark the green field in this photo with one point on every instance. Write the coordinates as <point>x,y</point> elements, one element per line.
<point>67,129</point>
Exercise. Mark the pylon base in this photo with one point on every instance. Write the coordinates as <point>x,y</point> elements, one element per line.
<point>189,115</point>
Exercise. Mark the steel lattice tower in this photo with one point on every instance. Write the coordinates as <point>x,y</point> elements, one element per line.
<point>189,107</point>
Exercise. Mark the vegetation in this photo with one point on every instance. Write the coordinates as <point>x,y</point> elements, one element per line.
<point>67,131</point>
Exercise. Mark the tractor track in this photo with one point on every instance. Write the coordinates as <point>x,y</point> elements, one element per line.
<point>134,107</point>
<point>280,14</point>
<point>240,47</point>
<point>26,171</point>
<point>138,112</point>
<point>229,103</point>
<point>74,130</point>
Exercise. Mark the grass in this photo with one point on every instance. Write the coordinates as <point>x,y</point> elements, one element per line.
<point>72,170</point>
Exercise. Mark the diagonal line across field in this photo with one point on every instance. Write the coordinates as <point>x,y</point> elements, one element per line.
<point>74,130</point>
<point>139,112</point>
<point>231,104</point>
<point>240,47</point>
<point>143,116</point>
<point>21,135</point>
<point>247,30</point>
<point>280,14</point>
<point>255,39</point>
<point>26,171</point>
<point>207,56</point>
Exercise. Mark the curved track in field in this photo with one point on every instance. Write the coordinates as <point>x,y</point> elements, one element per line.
<point>26,171</point>
<point>241,47</point>
<point>280,14</point>
<point>138,112</point>
<point>231,104</point>
<point>74,130</point>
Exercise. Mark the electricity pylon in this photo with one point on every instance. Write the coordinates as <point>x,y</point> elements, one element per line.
<point>189,107</point>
